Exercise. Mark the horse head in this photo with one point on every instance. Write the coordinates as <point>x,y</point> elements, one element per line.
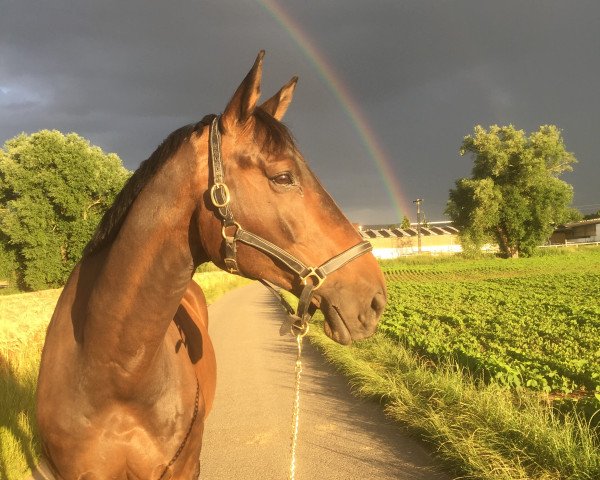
<point>267,188</point>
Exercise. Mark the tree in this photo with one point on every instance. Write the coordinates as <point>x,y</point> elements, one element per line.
<point>54,189</point>
<point>405,223</point>
<point>514,196</point>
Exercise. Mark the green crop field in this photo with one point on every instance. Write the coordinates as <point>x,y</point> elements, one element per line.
<point>494,363</point>
<point>531,322</point>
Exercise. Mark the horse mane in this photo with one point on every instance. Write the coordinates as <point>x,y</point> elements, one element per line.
<point>274,135</point>
<point>114,217</point>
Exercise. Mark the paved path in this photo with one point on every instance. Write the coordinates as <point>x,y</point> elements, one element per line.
<point>247,434</point>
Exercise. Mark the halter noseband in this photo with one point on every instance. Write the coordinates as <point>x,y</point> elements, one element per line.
<point>232,232</point>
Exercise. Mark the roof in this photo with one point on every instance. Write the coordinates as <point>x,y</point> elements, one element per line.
<point>566,226</point>
<point>393,231</point>
<point>582,222</point>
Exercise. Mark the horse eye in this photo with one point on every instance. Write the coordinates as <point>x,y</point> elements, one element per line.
<point>283,179</point>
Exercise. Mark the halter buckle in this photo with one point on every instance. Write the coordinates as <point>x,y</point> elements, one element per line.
<point>224,193</point>
<point>314,274</point>
<point>231,265</point>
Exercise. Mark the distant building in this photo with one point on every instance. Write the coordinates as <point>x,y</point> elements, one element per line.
<point>390,241</point>
<point>586,231</point>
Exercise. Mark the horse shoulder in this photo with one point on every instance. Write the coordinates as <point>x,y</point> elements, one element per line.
<point>194,299</point>
<point>191,321</point>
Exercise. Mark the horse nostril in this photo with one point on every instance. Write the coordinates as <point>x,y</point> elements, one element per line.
<point>378,304</point>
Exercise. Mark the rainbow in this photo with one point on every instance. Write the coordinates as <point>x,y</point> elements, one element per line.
<point>342,94</point>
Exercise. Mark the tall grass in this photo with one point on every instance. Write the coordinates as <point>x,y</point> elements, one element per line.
<point>19,449</point>
<point>216,283</point>
<point>483,431</point>
<point>23,321</point>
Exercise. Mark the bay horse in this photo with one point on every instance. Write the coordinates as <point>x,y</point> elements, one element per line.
<point>128,372</point>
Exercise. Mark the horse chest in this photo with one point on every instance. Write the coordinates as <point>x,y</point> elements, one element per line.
<point>121,442</point>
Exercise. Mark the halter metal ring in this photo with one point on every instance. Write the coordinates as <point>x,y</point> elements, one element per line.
<point>225,195</point>
<point>318,279</point>
<point>225,227</point>
<point>300,330</point>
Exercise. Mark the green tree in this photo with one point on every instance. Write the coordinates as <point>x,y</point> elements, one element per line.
<point>8,262</point>
<point>405,222</point>
<point>514,196</point>
<point>54,189</point>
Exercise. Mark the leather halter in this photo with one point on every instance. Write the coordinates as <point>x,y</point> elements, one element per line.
<point>232,232</point>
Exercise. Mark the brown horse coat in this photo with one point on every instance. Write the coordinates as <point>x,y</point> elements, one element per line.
<point>128,372</point>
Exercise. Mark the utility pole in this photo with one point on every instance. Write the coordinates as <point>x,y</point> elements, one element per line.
<point>418,203</point>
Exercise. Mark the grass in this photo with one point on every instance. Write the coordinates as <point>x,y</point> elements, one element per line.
<point>23,321</point>
<point>456,268</point>
<point>19,449</point>
<point>214,284</point>
<point>482,431</point>
<point>480,428</point>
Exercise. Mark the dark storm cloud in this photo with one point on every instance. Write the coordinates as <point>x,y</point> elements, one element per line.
<point>125,74</point>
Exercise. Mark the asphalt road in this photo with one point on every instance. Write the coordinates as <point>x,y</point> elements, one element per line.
<point>247,435</point>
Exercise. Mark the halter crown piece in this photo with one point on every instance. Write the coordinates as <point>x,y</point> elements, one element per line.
<point>311,277</point>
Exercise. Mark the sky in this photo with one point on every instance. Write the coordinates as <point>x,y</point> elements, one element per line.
<point>387,91</point>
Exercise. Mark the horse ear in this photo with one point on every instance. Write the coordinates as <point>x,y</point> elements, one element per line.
<point>242,104</point>
<point>277,105</point>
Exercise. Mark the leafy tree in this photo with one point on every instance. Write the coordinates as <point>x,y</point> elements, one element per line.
<point>54,189</point>
<point>514,196</point>
<point>405,222</point>
<point>8,262</point>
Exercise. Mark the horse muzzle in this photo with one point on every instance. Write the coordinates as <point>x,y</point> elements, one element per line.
<point>351,315</point>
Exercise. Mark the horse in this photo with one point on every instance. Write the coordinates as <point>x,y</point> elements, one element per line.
<point>128,372</point>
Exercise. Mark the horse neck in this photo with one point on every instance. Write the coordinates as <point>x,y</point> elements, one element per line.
<point>142,276</point>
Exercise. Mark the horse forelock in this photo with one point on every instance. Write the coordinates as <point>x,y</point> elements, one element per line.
<point>274,135</point>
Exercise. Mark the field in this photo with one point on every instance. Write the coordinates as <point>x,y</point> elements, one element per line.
<point>494,363</point>
<point>532,322</point>
<point>23,321</point>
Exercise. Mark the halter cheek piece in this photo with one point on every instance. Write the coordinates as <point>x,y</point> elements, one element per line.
<point>232,232</point>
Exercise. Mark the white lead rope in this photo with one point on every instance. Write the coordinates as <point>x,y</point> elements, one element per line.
<point>296,409</point>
